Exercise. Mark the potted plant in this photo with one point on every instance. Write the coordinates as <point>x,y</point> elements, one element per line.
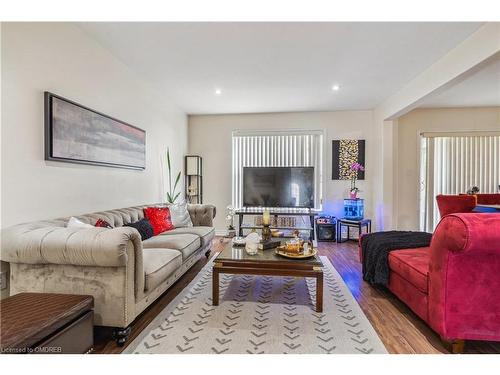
<point>355,168</point>
<point>171,195</point>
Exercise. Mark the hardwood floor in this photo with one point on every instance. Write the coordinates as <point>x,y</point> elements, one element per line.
<point>399,328</point>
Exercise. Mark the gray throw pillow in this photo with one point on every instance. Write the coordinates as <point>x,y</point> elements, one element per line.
<point>180,215</point>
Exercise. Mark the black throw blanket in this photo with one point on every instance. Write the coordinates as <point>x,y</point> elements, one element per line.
<point>376,248</point>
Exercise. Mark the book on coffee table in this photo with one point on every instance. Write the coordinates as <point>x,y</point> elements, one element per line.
<point>270,244</point>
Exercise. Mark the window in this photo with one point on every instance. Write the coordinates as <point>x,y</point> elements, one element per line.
<point>277,149</point>
<point>452,163</point>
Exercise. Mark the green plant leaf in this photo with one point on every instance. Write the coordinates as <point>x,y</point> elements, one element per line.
<point>168,159</point>
<point>176,196</point>
<point>169,171</point>
<point>177,180</point>
<point>170,194</point>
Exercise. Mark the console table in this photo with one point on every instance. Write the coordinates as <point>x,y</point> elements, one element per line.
<point>311,213</point>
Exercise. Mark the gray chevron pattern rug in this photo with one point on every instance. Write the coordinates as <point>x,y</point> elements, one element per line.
<point>260,314</point>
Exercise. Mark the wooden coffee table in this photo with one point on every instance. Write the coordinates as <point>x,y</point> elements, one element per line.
<point>235,260</point>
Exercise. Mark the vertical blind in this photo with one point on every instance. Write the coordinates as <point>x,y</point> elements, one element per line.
<point>276,149</point>
<point>452,164</point>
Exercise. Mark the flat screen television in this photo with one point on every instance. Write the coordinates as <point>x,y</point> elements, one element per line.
<point>284,187</point>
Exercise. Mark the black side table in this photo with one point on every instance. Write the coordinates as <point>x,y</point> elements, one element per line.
<point>366,223</point>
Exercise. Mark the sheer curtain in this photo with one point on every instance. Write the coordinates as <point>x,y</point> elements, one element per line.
<point>276,149</point>
<point>451,163</point>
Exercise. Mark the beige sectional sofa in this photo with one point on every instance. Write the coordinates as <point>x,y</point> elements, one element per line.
<point>124,274</point>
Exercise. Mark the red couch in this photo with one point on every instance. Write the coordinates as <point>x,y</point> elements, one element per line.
<point>454,284</point>
<point>488,198</point>
<point>451,204</point>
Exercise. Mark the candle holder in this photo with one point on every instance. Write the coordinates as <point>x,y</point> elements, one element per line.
<point>266,233</point>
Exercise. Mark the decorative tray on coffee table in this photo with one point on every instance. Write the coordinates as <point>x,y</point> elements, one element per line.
<point>281,251</point>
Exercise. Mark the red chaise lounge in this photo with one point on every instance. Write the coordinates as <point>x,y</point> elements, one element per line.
<point>454,284</point>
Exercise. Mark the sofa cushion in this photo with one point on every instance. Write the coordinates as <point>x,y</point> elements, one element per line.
<point>206,234</point>
<point>186,243</point>
<point>180,215</point>
<point>159,264</point>
<point>73,222</point>
<point>450,204</point>
<point>100,223</point>
<point>412,265</point>
<point>160,219</point>
<point>144,228</point>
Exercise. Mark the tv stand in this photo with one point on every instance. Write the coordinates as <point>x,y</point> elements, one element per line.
<point>252,211</point>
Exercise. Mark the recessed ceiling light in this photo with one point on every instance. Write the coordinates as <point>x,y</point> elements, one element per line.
<point>218,91</point>
<point>335,87</point>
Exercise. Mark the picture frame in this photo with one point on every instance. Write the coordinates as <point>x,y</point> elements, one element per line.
<point>344,153</point>
<point>78,134</point>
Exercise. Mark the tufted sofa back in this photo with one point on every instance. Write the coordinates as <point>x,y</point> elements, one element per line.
<point>117,218</point>
<point>200,215</point>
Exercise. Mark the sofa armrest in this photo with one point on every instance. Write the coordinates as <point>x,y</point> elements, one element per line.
<point>75,246</point>
<point>470,233</point>
<point>202,214</point>
<point>463,275</point>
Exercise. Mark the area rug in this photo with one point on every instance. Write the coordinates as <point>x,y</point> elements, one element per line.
<point>260,314</point>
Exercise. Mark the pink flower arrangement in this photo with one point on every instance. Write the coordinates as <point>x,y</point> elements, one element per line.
<point>357,167</point>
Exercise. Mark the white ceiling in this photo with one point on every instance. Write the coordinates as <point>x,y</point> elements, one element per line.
<point>278,67</point>
<point>478,89</point>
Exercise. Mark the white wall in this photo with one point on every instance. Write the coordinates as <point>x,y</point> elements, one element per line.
<point>61,58</point>
<point>210,137</point>
<point>408,142</point>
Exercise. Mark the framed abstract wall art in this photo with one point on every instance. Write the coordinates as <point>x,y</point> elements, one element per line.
<point>77,134</point>
<point>345,152</point>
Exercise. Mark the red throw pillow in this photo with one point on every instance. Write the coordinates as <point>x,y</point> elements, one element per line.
<point>103,224</point>
<point>159,217</point>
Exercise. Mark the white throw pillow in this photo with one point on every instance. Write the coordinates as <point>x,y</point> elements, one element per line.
<point>75,223</point>
<point>179,215</point>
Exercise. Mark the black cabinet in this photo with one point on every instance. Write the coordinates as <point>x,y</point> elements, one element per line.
<point>326,229</point>
<point>326,232</point>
